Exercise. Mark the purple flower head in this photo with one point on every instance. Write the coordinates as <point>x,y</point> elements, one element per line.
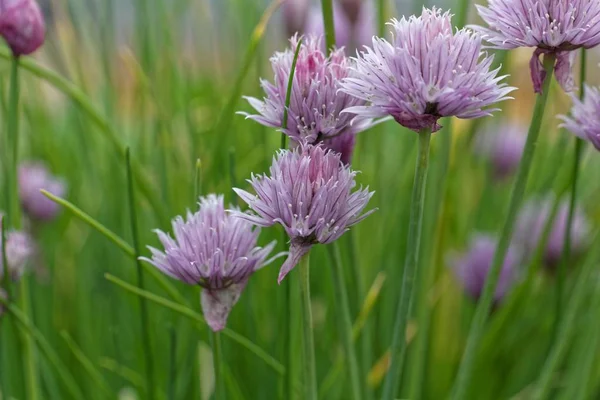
<point>32,178</point>
<point>585,117</point>
<point>426,73</point>
<point>551,26</point>
<point>22,25</point>
<point>309,192</point>
<point>531,224</point>
<point>20,248</point>
<point>316,105</point>
<point>215,250</point>
<point>503,147</point>
<point>295,13</point>
<point>472,267</point>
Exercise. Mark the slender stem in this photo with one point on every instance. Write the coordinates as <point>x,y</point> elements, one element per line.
<point>327,7</point>
<point>288,94</point>
<point>566,253</point>
<point>307,323</point>
<point>172,363</point>
<point>145,326</point>
<point>215,338</point>
<point>398,349</point>
<point>342,303</point>
<point>462,13</point>
<point>381,17</point>
<point>197,181</point>
<point>485,303</point>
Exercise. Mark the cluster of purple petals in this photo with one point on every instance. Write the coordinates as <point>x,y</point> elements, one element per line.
<point>584,120</point>
<point>22,25</point>
<point>32,178</point>
<point>20,248</point>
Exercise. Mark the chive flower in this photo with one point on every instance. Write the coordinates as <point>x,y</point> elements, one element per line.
<point>214,250</point>
<point>32,178</point>
<point>472,267</point>
<point>550,26</point>
<point>310,193</point>
<point>425,73</point>
<point>503,147</point>
<point>20,249</point>
<point>22,25</point>
<point>316,105</point>
<point>585,117</point>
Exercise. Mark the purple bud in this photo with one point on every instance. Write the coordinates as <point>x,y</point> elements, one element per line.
<point>503,147</point>
<point>295,13</point>
<point>584,121</point>
<point>32,178</point>
<point>472,267</point>
<point>22,25</point>
<point>215,250</point>
<point>20,248</point>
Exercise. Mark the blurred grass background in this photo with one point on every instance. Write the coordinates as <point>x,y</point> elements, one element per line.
<point>162,72</point>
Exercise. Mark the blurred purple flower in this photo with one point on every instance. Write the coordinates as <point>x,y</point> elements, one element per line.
<point>426,73</point>
<point>295,13</point>
<point>22,25</point>
<point>214,250</point>
<point>551,26</point>
<point>531,223</point>
<point>472,267</point>
<point>503,147</point>
<point>32,178</point>
<point>585,117</point>
<point>310,194</point>
<point>20,248</point>
<point>316,105</point>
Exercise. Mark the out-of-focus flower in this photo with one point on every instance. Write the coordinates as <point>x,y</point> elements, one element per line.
<point>503,147</point>
<point>585,117</point>
<point>22,25</point>
<point>32,178</point>
<point>533,219</point>
<point>20,248</point>
<point>426,73</point>
<point>472,267</point>
<point>315,112</point>
<point>551,26</point>
<point>295,13</point>
<point>309,192</point>
<point>215,250</point>
<point>3,296</point>
<point>354,23</point>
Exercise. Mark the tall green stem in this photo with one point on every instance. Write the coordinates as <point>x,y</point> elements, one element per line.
<point>381,16</point>
<point>356,381</point>
<point>145,327</point>
<point>566,254</point>
<point>307,324</point>
<point>215,338</point>
<point>485,303</point>
<point>14,220</point>
<point>398,349</point>
<point>327,7</point>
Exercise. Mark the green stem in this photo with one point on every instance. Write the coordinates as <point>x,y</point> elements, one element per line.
<point>462,13</point>
<point>327,7</point>
<point>145,326</point>
<point>381,17</point>
<point>485,303</point>
<point>215,339</point>
<point>307,323</point>
<point>566,254</point>
<point>398,348</point>
<point>339,284</point>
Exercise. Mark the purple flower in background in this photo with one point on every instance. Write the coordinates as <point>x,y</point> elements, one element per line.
<point>32,178</point>
<point>215,250</point>
<point>309,192</point>
<point>472,267</point>
<point>22,25</point>
<point>585,117</point>
<point>532,221</point>
<point>20,248</point>
<point>551,26</point>
<point>426,73</point>
<point>294,15</point>
<point>503,147</point>
<point>315,112</point>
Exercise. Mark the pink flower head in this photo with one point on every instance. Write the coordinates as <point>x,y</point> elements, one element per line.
<point>32,178</point>
<point>215,250</point>
<point>427,72</point>
<point>472,267</point>
<point>551,26</point>
<point>316,106</point>
<point>22,25</point>
<point>585,117</point>
<point>309,193</point>
<point>503,147</point>
<point>20,248</point>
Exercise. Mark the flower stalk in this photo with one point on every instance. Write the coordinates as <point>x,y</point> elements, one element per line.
<point>307,325</point>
